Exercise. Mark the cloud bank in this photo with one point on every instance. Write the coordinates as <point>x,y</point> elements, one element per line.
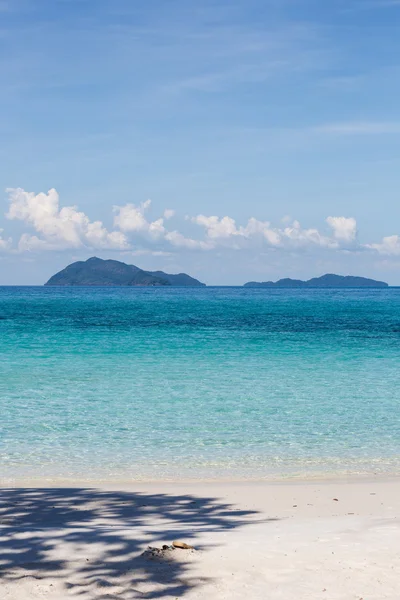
<point>58,228</point>
<point>53,227</point>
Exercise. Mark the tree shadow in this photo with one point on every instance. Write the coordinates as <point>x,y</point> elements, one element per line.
<point>90,541</point>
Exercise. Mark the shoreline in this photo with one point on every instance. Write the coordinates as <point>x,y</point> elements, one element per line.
<point>340,478</point>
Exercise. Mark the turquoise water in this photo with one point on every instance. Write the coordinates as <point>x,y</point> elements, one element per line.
<point>119,383</point>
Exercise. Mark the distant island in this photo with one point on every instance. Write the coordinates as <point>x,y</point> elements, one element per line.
<point>326,281</point>
<point>98,272</point>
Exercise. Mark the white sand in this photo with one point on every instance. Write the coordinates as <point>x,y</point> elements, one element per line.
<point>299,544</point>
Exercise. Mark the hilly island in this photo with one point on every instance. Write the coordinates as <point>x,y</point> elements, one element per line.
<point>326,281</point>
<point>98,272</point>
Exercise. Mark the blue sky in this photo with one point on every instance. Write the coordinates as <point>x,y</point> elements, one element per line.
<point>247,124</point>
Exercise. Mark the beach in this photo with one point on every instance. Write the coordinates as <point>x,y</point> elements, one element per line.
<point>336,539</point>
<point>260,427</point>
<point>199,300</point>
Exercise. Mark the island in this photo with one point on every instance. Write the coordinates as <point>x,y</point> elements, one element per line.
<point>98,272</point>
<point>325,281</point>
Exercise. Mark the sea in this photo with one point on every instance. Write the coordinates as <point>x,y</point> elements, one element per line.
<point>126,384</point>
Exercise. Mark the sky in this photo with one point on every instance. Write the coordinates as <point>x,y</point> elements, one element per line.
<point>234,140</point>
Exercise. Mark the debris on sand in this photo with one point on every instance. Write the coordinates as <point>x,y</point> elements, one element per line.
<point>165,552</point>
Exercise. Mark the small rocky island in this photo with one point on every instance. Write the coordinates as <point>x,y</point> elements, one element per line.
<point>98,272</point>
<point>326,281</point>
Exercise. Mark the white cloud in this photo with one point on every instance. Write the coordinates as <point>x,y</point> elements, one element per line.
<point>180,241</point>
<point>31,243</point>
<point>131,218</point>
<point>256,228</point>
<point>4,244</point>
<point>225,231</point>
<point>389,245</point>
<point>344,228</point>
<point>298,237</point>
<point>144,252</point>
<point>225,228</point>
<point>216,227</point>
<point>58,228</point>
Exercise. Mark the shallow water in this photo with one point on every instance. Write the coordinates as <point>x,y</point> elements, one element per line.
<point>153,383</point>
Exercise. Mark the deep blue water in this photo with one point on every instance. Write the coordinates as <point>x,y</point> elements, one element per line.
<point>150,383</point>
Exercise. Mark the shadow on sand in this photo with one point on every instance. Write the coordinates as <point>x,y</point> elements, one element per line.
<point>90,541</point>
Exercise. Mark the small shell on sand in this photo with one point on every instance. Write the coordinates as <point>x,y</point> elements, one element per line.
<point>182,545</point>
